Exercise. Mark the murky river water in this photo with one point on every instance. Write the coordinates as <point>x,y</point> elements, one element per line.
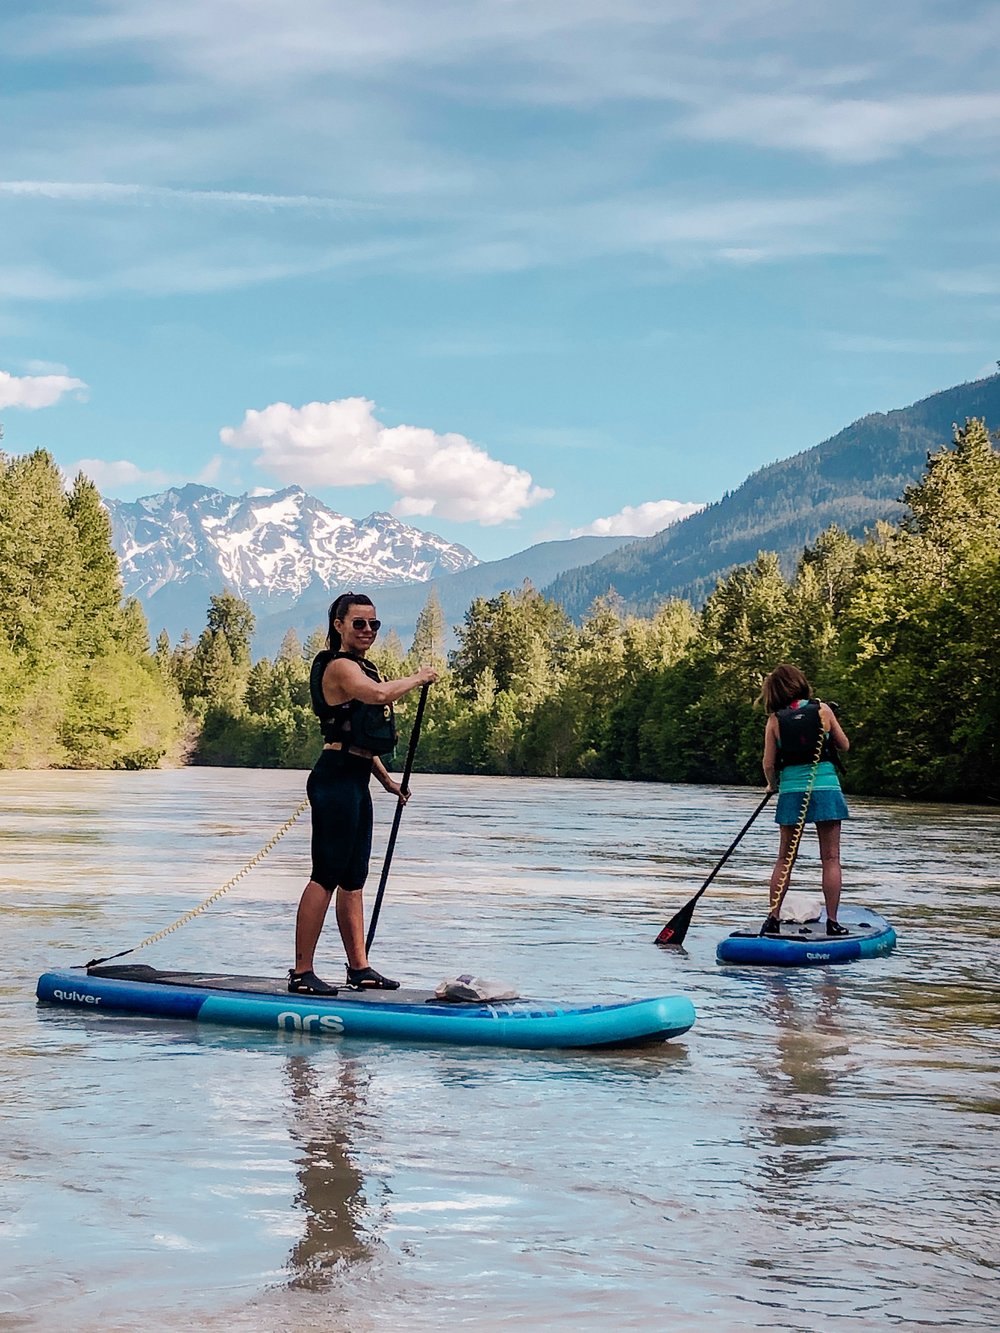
<point>820,1150</point>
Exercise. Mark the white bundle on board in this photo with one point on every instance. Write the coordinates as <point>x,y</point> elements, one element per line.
<point>802,907</point>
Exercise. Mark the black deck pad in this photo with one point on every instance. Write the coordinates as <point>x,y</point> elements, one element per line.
<point>812,932</point>
<point>223,981</point>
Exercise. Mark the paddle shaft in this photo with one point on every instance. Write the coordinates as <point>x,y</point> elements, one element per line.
<point>400,802</point>
<point>676,928</point>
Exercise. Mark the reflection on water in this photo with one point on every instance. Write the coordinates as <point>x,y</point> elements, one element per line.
<point>331,1193</point>
<point>819,1150</point>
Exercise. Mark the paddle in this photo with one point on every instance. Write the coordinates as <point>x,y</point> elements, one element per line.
<point>677,927</point>
<point>405,785</point>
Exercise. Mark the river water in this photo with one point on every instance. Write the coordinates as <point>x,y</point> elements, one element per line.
<point>818,1151</point>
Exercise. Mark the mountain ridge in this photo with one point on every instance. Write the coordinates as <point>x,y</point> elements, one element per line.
<point>853,479</point>
<point>181,545</point>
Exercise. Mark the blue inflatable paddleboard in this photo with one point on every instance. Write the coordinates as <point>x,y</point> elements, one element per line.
<point>808,945</point>
<point>407,1015</point>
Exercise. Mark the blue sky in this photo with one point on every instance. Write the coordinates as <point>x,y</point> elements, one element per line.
<point>511,269</point>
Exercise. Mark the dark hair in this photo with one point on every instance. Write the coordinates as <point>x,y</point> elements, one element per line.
<point>339,610</point>
<point>783,686</point>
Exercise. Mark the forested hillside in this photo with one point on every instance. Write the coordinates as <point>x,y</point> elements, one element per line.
<point>852,480</point>
<point>78,686</point>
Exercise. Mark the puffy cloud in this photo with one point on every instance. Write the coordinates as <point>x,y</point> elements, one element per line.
<point>33,391</point>
<point>639,520</point>
<point>342,443</point>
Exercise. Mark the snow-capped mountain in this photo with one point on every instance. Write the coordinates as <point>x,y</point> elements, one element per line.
<point>178,547</point>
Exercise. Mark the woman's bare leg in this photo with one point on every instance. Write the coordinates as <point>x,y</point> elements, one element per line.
<point>351,920</point>
<point>308,923</point>
<point>828,832</point>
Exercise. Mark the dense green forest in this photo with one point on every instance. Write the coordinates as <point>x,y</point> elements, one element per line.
<point>901,629</point>
<point>78,685</point>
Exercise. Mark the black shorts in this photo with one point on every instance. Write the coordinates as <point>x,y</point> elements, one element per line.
<point>341,819</point>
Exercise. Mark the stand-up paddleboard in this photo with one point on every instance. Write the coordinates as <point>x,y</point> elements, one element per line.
<point>406,1015</point>
<point>807,944</point>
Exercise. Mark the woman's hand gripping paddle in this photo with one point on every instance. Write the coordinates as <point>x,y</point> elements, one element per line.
<point>405,786</point>
<point>677,927</point>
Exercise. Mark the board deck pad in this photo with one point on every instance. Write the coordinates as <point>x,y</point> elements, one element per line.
<point>813,931</point>
<point>223,981</point>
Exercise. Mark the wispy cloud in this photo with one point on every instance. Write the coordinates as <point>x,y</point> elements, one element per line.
<point>639,520</point>
<point>342,443</point>
<point>145,195</point>
<point>120,474</point>
<point>978,280</point>
<point>850,129</point>
<point>345,148</point>
<point>35,391</point>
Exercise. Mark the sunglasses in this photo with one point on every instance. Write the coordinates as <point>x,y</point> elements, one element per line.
<point>373,625</point>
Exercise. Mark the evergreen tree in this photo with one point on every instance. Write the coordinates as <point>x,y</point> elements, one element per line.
<point>231,617</point>
<point>97,585</point>
<point>162,654</point>
<point>38,559</point>
<point>430,635</point>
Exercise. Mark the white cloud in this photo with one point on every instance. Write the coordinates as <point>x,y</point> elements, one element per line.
<point>209,474</point>
<point>342,443</point>
<point>849,129</point>
<point>34,391</point>
<point>639,520</point>
<point>109,476</point>
<point>109,193</point>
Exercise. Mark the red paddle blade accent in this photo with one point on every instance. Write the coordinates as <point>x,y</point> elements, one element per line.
<point>677,927</point>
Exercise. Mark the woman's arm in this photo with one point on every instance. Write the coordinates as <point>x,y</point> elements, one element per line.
<point>828,720</point>
<point>344,679</point>
<point>771,753</point>
<point>388,781</point>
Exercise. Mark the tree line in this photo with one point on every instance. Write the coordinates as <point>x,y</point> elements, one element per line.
<point>900,630</point>
<point>79,687</point>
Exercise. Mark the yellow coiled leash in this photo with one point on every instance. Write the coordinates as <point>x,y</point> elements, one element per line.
<point>775,902</point>
<point>213,897</point>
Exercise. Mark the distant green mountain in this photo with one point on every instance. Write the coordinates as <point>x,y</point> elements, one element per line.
<point>853,479</point>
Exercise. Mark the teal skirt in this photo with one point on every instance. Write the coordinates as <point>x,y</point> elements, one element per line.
<point>823,805</point>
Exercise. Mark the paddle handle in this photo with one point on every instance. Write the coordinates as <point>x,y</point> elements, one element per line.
<point>411,751</point>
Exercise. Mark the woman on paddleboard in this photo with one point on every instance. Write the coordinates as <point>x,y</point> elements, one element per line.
<point>801,742</point>
<point>354,707</point>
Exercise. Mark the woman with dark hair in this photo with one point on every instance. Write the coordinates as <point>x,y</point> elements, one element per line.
<point>354,707</point>
<point>792,751</point>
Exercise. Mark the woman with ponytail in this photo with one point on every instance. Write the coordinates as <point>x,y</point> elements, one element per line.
<point>354,707</point>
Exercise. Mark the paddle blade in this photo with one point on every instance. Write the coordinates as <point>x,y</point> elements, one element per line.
<point>677,927</point>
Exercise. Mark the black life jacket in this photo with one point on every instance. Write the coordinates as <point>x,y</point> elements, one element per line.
<point>353,723</point>
<point>799,729</point>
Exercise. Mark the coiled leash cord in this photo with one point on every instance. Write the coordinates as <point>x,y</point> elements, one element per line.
<point>775,902</point>
<point>213,897</point>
